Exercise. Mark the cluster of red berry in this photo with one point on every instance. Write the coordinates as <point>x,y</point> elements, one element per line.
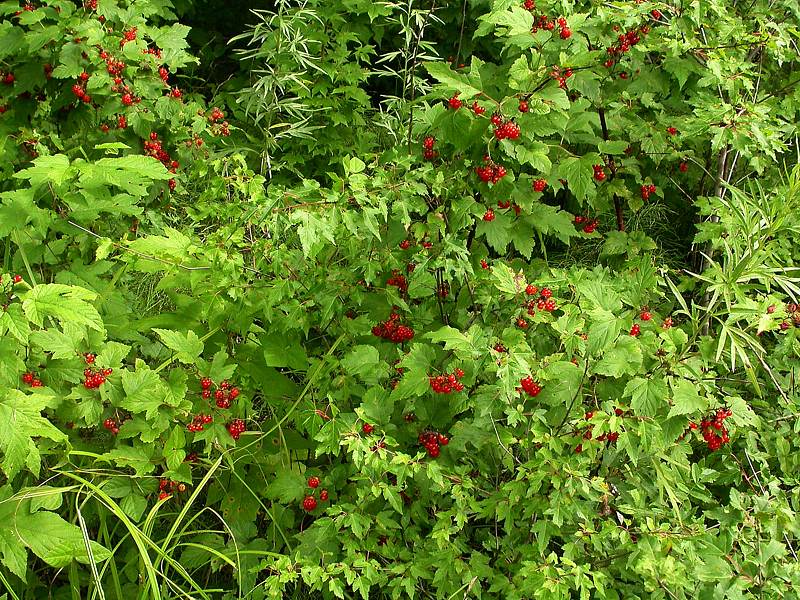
<point>393,330</point>
<point>545,301</point>
<point>529,386</point>
<point>490,172</point>
<point>793,312</point>
<point>561,76</point>
<point>543,22</point>
<point>94,378</point>
<point>236,428</point>
<point>599,172</point>
<point>199,422</point>
<point>167,487</point>
<point>683,166</point>
<point>8,78</point>
<point>504,129</point>
<point>111,425</point>
<point>455,102</point>
<point>610,437</point>
<point>31,379</point>
<point>489,215</point>
<point>223,395</point>
<point>431,441</point>
<point>625,41</point>
<point>154,148</point>
<point>127,36</point>
<point>447,382</point>
<point>539,185</point>
<point>397,280</point>
<point>588,225</point>
<point>428,153</point>
<point>647,190</point>
<point>477,109</point>
<point>310,502</point>
<point>713,429</point>
<point>79,88</point>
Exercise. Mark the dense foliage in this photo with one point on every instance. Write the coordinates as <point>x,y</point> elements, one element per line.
<point>350,299</point>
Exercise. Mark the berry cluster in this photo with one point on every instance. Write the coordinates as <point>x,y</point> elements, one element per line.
<point>610,437</point>
<point>545,301</point>
<point>79,88</point>
<point>542,22</point>
<point>367,428</point>
<point>224,395</point>
<point>588,225</point>
<point>199,422</point>
<point>94,378</point>
<point>477,109</point>
<point>625,41</point>
<point>505,129</point>
<point>236,428</point>
<point>398,280</point>
<point>455,102</point>
<point>127,36</point>
<point>167,487</point>
<point>599,172</point>
<point>447,382</point>
<point>683,167</point>
<point>529,386</point>
<point>647,190</point>
<point>8,78</point>
<point>154,148</point>
<point>431,441</point>
<point>539,185</point>
<point>405,244</point>
<point>488,216</point>
<point>523,106</point>
<point>490,172</point>
<point>310,502</point>
<point>392,330</point>
<point>672,131</point>
<point>428,153</point>
<point>31,379</point>
<point>714,431</point>
<point>112,425</point>
<point>561,76</point>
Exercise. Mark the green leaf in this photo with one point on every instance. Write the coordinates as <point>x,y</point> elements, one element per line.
<point>144,391</point>
<point>648,396</point>
<point>603,331</point>
<point>685,399</point>
<point>47,169</point>
<point>453,81</point>
<point>56,342</point>
<point>187,347</point>
<point>174,451</point>
<point>14,322</point>
<point>68,304</point>
<point>625,356</point>
<point>21,421</point>
<point>288,486</point>
<point>361,360</point>
<point>579,176</point>
<point>612,146</point>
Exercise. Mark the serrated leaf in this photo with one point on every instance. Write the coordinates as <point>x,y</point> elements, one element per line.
<point>144,391</point>
<point>187,346</point>
<point>685,398</point>
<point>20,422</point>
<point>47,169</point>
<point>56,342</point>
<point>287,486</point>
<point>647,396</point>
<point>453,81</point>
<point>68,304</point>
<point>578,175</point>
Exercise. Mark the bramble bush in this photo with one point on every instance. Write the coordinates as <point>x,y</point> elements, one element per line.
<point>526,328</point>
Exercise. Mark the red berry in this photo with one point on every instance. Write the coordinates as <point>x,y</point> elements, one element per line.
<point>323,495</point>
<point>523,106</point>
<point>367,428</point>
<point>539,185</point>
<point>309,503</point>
<point>635,329</point>
<point>488,215</point>
<point>672,131</point>
<point>645,316</point>
<point>477,108</point>
<point>683,167</point>
<point>454,102</point>
<point>313,481</point>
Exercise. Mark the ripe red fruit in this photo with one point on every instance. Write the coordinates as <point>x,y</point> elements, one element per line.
<point>206,383</point>
<point>454,102</point>
<point>683,167</point>
<point>672,131</point>
<point>309,503</point>
<point>323,495</point>
<point>127,99</point>
<point>405,244</point>
<point>477,108</point>
<point>539,185</point>
<point>599,172</point>
<point>565,33</point>
<point>484,264</point>
<point>163,495</point>
<point>488,215</point>
<point>429,142</point>
<point>17,278</point>
<point>635,330</point>
<point>656,14</point>
<point>523,106</point>
<point>367,428</point>
<point>531,290</point>
<point>645,316</point>
<point>313,481</point>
